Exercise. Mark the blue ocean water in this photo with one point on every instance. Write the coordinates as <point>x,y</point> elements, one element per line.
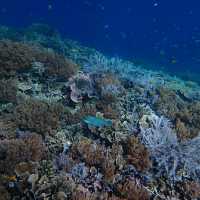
<point>157,33</point>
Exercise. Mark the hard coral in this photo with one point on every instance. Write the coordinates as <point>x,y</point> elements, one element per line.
<point>58,66</point>
<point>90,152</point>
<point>109,87</point>
<point>14,56</point>
<point>132,190</point>
<point>38,116</point>
<point>15,151</point>
<point>8,90</point>
<point>184,113</point>
<point>137,154</point>
<point>192,189</point>
<point>81,87</point>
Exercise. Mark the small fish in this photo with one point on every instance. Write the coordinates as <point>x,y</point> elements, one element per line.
<point>97,122</point>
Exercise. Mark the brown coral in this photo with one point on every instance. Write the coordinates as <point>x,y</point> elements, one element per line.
<point>8,90</point>
<point>38,116</point>
<point>90,152</point>
<point>192,189</point>
<point>15,151</point>
<point>132,190</point>
<point>7,127</point>
<point>59,66</point>
<point>14,56</point>
<point>137,154</point>
<point>109,87</point>
<point>72,117</point>
<point>183,113</point>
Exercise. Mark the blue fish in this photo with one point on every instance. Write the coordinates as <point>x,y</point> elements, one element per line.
<point>97,122</point>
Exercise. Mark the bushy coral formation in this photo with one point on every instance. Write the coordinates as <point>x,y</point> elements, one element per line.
<point>180,110</point>
<point>14,151</point>
<point>108,87</point>
<point>14,56</point>
<point>8,91</point>
<point>137,154</point>
<point>38,116</point>
<point>58,66</point>
<point>132,190</point>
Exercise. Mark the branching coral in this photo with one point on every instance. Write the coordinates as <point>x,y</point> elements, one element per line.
<point>14,56</point>
<point>58,66</point>
<point>169,154</point>
<point>8,90</point>
<point>90,152</point>
<point>137,154</point>
<point>192,189</point>
<point>15,151</point>
<point>184,114</point>
<point>132,190</point>
<point>38,116</point>
<point>108,87</point>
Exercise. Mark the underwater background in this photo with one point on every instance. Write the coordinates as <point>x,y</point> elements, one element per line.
<point>99,100</point>
<point>156,33</point>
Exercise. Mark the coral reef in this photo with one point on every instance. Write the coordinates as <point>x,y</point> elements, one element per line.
<point>75,124</point>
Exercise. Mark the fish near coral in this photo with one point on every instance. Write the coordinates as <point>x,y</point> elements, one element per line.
<point>97,122</point>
